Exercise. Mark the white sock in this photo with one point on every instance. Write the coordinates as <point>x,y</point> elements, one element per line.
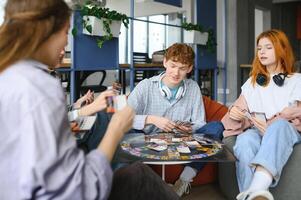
<point>188,174</point>
<point>261,181</point>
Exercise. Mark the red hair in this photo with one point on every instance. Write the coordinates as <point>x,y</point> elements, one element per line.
<point>283,53</point>
<point>180,52</point>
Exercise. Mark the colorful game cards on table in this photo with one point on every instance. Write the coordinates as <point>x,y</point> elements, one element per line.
<point>170,146</point>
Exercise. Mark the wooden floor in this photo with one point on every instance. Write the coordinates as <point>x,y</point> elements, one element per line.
<point>204,192</point>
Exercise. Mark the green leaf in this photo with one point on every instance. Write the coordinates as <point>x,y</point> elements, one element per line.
<point>99,42</point>
<point>74,32</point>
<point>89,28</point>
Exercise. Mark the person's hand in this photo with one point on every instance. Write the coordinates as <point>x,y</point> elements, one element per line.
<point>99,103</point>
<point>236,113</point>
<point>260,124</point>
<point>122,121</point>
<point>161,122</point>
<point>184,129</point>
<point>290,113</point>
<point>86,99</point>
<point>74,127</point>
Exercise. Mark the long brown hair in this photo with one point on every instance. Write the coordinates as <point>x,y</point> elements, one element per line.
<point>27,24</point>
<point>283,53</point>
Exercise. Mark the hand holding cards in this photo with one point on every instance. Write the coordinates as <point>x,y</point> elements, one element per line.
<point>183,126</point>
<point>116,103</point>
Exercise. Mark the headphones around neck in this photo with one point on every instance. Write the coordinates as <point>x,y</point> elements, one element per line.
<point>165,91</point>
<point>278,79</point>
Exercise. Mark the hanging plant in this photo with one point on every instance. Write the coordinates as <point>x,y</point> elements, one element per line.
<point>97,20</point>
<point>211,42</point>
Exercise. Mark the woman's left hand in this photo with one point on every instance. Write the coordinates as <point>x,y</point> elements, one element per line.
<point>260,124</point>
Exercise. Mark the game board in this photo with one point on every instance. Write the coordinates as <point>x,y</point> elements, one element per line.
<point>170,146</point>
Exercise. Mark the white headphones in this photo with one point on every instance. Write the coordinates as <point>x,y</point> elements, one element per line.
<point>165,91</point>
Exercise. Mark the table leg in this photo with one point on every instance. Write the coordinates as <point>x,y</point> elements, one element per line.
<point>163,172</point>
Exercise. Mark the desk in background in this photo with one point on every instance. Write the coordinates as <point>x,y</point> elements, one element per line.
<point>146,70</point>
<point>205,75</point>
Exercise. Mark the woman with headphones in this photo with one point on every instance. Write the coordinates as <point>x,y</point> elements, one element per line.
<point>162,100</point>
<point>266,130</point>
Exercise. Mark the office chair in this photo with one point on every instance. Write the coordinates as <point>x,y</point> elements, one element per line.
<point>98,87</point>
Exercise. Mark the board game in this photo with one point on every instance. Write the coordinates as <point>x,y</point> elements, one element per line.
<point>170,146</point>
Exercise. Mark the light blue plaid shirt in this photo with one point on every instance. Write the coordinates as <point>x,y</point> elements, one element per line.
<point>146,99</point>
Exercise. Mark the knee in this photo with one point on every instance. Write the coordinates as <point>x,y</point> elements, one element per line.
<point>280,124</point>
<point>281,129</point>
<point>214,129</point>
<point>245,145</point>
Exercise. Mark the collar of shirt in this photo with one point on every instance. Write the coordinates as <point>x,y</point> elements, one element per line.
<point>37,64</point>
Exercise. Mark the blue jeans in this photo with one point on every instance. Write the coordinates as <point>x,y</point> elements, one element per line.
<point>271,151</point>
<point>212,129</point>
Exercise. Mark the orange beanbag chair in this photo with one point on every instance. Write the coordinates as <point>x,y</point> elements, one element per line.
<point>214,112</point>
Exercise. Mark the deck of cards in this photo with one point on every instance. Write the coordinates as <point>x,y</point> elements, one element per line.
<point>116,103</point>
<point>179,124</point>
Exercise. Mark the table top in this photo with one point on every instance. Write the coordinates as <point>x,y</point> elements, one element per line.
<point>140,147</point>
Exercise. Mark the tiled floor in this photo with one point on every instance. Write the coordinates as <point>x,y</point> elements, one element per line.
<point>204,192</point>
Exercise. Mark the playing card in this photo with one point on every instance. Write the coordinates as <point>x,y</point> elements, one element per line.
<point>183,149</point>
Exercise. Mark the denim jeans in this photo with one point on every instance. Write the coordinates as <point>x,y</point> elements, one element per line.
<point>271,151</point>
<point>212,129</point>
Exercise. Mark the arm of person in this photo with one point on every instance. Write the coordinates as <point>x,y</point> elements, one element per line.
<point>86,99</point>
<point>137,100</point>
<point>120,123</point>
<point>160,122</point>
<point>198,112</point>
<point>97,105</point>
<point>52,165</point>
<point>293,114</point>
<point>234,126</point>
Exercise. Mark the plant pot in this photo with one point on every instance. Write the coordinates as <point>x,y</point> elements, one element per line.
<point>98,28</point>
<point>196,37</point>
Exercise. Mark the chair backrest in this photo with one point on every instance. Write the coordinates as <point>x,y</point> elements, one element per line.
<point>98,87</point>
<point>214,110</point>
<point>141,57</point>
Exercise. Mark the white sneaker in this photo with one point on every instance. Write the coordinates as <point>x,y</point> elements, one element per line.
<point>256,195</point>
<point>181,187</point>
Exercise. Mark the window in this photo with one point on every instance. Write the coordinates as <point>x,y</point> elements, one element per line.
<point>262,21</point>
<point>151,36</point>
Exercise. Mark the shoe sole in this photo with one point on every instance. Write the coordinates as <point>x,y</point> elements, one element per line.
<point>260,198</point>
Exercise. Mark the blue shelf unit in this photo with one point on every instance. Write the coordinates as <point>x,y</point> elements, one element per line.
<point>206,16</point>
<point>86,55</point>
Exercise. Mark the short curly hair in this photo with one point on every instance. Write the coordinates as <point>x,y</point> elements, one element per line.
<point>180,52</point>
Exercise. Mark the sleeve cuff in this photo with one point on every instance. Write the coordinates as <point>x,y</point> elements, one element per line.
<point>139,122</point>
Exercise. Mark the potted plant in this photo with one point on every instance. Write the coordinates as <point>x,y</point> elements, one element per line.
<point>99,21</point>
<point>196,34</point>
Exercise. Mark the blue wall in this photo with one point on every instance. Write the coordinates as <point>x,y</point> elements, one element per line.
<point>206,16</point>
<point>88,56</point>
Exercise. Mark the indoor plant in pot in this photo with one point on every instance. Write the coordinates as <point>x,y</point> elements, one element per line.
<point>196,34</point>
<point>100,21</point>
